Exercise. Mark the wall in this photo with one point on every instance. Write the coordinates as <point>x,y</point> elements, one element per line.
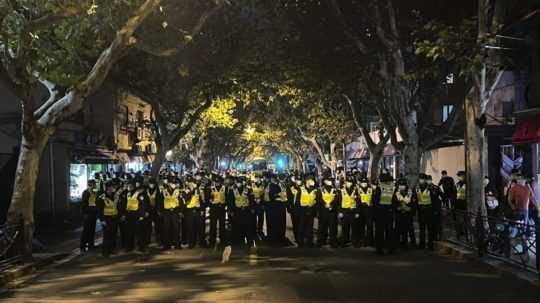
<point>451,159</point>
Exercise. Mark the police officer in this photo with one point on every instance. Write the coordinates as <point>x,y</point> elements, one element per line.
<point>108,203</point>
<point>460,206</point>
<point>277,204</point>
<point>426,194</point>
<point>366,195</point>
<point>153,222</point>
<point>293,195</point>
<point>89,212</point>
<point>348,213</point>
<point>257,188</point>
<point>307,200</point>
<point>329,199</point>
<point>132,213</point>
<point>384,216</point>
<point>169,206</point>
<point>217,211</point>
<point>192,213</point>
<point>240,204</point>
<point>405,200</point>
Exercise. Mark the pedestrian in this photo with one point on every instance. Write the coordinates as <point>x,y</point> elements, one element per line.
<point>293,195</point>
<point>329,200</point>
<point>278,204</point>
<point>153,223</point>
<point>257,188</point>
<point>89,213</point>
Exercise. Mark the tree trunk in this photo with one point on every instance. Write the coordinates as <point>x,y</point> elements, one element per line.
<point>474,153</point>
<point>412,153</point>
<point>33,142</point>
<point>158,160</point>
<point>374,165</point>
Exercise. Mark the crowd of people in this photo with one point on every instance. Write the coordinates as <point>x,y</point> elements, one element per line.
<point>208,209</point>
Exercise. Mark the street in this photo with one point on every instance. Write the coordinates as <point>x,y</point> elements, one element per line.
<point>273,275</point>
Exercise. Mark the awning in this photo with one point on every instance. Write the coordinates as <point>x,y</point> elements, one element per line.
<point>93,156</point>
<point>527,131</point>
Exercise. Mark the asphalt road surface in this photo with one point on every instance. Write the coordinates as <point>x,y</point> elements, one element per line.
<point>273,275</point>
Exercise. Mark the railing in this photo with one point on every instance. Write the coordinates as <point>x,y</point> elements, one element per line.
<point>10,244</point>
<point>509,240</point>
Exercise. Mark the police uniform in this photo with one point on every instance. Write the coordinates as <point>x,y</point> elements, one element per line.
<point>307,200</point>
<point>277,204</point>
<point>240,204</point>
<point>258,196</point>
<point>366,196</point>
<point>170,209</point>
<point>405,201</point>
<point>89,211</point>
<point>132,210</point>
<point>384,218</point>
<point>329,199</point>
<point>108,213</point>
<point>460,207</point>
<point>426,195</point>
<point>192,216</point>
<point>217,213</point>
<point>349,211</point>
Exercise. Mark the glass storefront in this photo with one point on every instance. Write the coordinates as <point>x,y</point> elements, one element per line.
<point>78,180</point>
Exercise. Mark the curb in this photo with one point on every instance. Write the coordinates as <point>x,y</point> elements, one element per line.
<point>451,250</point>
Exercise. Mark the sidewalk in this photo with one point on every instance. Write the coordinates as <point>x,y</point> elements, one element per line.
<point>50,246</point>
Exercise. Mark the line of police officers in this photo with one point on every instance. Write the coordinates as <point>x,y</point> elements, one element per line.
<point>175,211</point>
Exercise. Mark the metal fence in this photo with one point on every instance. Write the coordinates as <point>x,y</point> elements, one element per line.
<point>512,241</point>
<point>10,244</point>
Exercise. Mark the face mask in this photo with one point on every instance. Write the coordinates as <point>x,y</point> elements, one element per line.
<point>429,182</point>
<point>363,184</point>
<point>165,181</point>
<point>137,184</point>
<point>298,182</point>
<point>238,184</point>
<point>402,187</point>
<point>522,181</point>
<point>152,185</point>
<point>486,182</point>
<point>422,181</point>
<point>338,183</point>
<point>328,183</point>
<point>131,188</point>
<point>348,184</point>
<point>310,183</point>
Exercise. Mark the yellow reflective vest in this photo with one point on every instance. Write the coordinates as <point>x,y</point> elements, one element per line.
<point>347,200</point>
<point>258,193</point>
<point>461,192</point>
<point>308,199</point>
<point>387,192</point>
<point>91,199</point>
<point>171,201</point>
<point>133,201</point>
<point>241,200</point>
<point>424,196</point>
<point>110,206</point>
<point>218,196</point>
<point>328,197</point>
<point>194,201</point>
<point>366,197</point>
